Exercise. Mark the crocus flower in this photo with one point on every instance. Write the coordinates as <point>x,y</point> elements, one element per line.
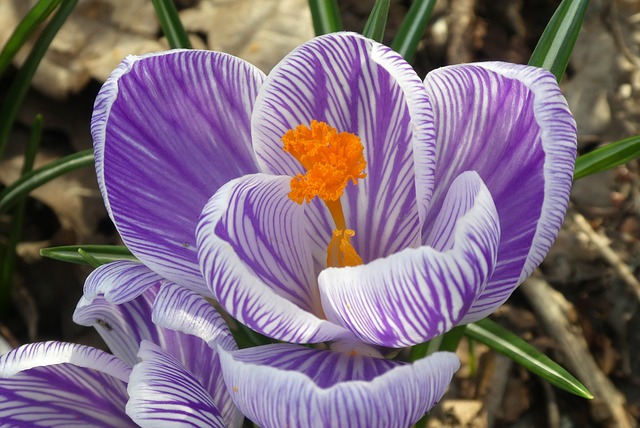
<point>352,204</point>
<point>164,372</point>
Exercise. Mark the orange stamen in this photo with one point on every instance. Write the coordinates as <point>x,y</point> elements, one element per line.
<point>331,159</point>
<point>340,252</point>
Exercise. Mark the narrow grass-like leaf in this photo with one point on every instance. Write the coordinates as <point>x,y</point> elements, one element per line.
<point>89,259</point>
<point>38,13</point>
<point>171,25</point>
<point>452,338</point>
<point>36,178</point>
<point>247,338</point>
<point>17,223</point>
<point>427,348</point>
<point>419,351</point>
<point>607,157</point>
<point>412,28</point>
<point>20,85</point>
<point>326,16</point>
<point>556,44</point>
<point>88,254</point>
<point>503,341</point>
<point>377,22</point>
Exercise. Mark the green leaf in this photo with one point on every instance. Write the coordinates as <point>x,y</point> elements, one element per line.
<point>556,44</point>
<point>326,16</point>
<point>38,13</point>
<point>20,85</point>
<point>412,27</point>
<point>377,22</point>
<point>171,25</point>
<point>89,259</point>
<point>607,157</point>
<point>17,224</point>
<point>88,254</point>
<point>503,341</point>
<point>421,350</point>
<point>451,339</point>
<point>36,178</point>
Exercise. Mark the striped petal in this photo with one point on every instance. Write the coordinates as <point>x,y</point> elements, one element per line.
<point>511,124</point>
<point>57,384</point>
<point>117,302</point>
<point>182,310</point>
<point>255,258</point>
<point>359,86</point>
<point>164,394</point>
<point>417,294</point>
<point>168,130</point>
<point>291,386</point>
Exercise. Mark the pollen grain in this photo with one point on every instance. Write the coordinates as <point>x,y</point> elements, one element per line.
<point>331,159</point>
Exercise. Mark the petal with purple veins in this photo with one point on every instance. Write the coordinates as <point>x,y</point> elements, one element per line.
<point>117,303</point>
<point>254,257</point>
<point>287,385</point>
<point>169,128</point>
<point>164,394</point>
<point>419,293</point>
<point>182,310</point>
<point>359,86</point>
<point>56,384</point>
<point>511,124</point>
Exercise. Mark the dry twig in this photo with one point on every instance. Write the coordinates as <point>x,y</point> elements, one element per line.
<point>602,245</point>
<point>556,313</point>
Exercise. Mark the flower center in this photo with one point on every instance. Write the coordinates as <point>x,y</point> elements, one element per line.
<point>331,159</point>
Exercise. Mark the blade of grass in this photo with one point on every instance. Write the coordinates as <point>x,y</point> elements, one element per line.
<point>452,338</point>
<point>503,341</point>
<point>326,16</point>
<point>556,44</point>
<point>412,28</point>
<point>89,259</point>
<point>8,261</point>
<point>38,13</point>
<point>25,184</point>
<point>377,22</point>
<point>607,157</point>
<point>88,254</point>
<point>19,87</point>
<point>171,25</point>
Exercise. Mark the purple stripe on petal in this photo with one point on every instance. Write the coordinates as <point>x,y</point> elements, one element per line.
<point>253,256</point>
<point>286,385</point>
<point>123,325</point>
<point>184,311</point>
<point>119,282</point>
<point>359,86</point>
<point>201,326</point>
<point>511,124</point>
<point>417,294</point>
<point>164,394</point>
<point>61,384</point>
<point>168,130</point>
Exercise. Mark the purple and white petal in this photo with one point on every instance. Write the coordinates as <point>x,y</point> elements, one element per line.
<point>119,282</point>
<point>117,303</point>
<point>511,124</point>
<point>169,128</point>
<point>164,394</point>
<point>254,256</point>
<point>57,384</point>
<point>202,330</point>
<point>359,86</point>
<point>417,294</point>
<point>287,385</point>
